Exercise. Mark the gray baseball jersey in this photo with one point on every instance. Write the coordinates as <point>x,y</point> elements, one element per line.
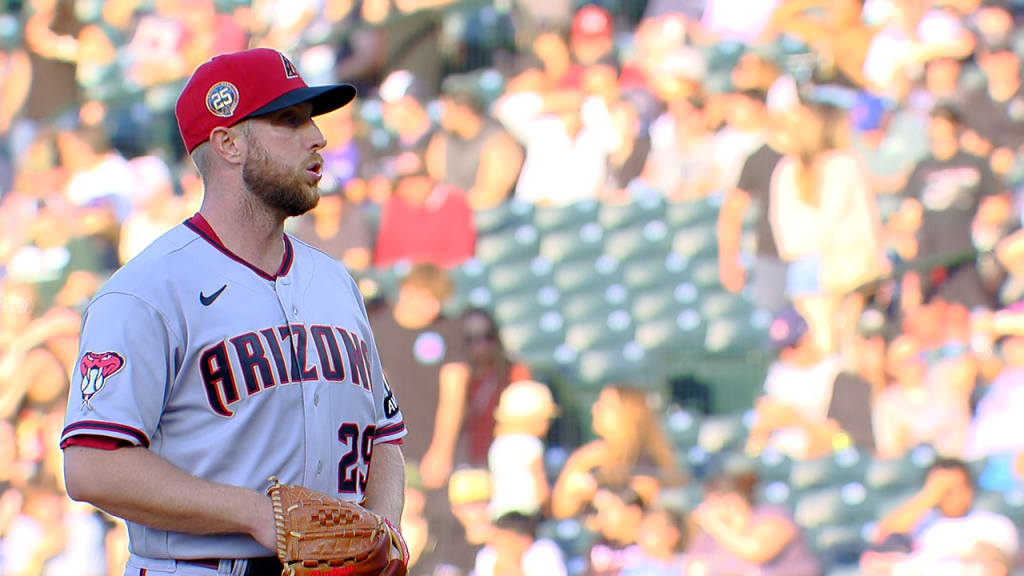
<point>233,375</point>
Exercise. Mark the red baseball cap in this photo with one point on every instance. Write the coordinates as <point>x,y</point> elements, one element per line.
<point>232,87</point>
<point>591,21</point>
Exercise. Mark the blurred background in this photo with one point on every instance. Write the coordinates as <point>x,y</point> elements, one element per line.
<point>702,287</point>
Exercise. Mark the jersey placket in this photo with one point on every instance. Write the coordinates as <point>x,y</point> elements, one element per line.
<point>313,416</point>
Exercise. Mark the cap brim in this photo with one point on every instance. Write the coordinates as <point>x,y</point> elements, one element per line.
<point>324,98</point>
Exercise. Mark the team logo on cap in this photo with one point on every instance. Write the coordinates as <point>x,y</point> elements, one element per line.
<point>289,68</point>
<point>222,99</point>
<point>96,369</point>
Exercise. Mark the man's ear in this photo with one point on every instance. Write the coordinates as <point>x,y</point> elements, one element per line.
<point>229,143</point>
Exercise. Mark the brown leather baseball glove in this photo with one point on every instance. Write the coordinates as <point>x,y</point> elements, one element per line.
<point>318,535</point>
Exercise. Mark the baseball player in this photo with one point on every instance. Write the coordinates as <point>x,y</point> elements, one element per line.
<point>229,352</point>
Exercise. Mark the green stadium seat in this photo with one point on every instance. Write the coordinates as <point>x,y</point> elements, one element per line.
<point>698,241</point>
<point>478,297</point>
<point>683,427</point>
<point>598,302</point>
<point>773,466</point>
<point>508,214</point>
<point>520,275</point>
<point>691,212</point>
<point>512,308</point>
<point>377,283</point>
<point>894,474</point>
<point>551,218</point>
<point>776,493</point>
<point>836,469</point>
<point>517,243</point>
<point>612,329</point>
<point>615,362</point>
<point>714,304</point>
<point>646,208</point>
<point>675,334</point>
<point>583,275</point>
<point>664,303</point>
<point>650,239</point>
<point>1009,504</point>
<point>721,433</point>
<point>886,502</point>
<point>847,504</point>
<point>704,273</point>
<point>736,335</point>
<point>544,333</point>
<point>585,242</point>
<point>652,272</point>
<point>840,545</point>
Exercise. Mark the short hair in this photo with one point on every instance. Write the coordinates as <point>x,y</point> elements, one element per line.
<point>518,523</point>
<point>948,113</point>
<point>953,464</point>
<point>431,278</point>
<point>741,483</point>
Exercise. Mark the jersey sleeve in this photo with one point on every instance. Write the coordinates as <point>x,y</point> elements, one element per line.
<point>389,421</point>
<point>125,366</point>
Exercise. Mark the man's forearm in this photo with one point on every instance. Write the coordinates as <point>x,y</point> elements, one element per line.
<point>139,486</point>
<point>385,488</point>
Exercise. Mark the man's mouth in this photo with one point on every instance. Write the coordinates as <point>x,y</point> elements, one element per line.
<point>315,169</point>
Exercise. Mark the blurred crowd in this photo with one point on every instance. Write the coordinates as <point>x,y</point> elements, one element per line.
<point>861,167</point>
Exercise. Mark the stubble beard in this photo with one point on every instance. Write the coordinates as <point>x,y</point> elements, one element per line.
<point>275,186</point>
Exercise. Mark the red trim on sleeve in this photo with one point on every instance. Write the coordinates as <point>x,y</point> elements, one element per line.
<point>399,442</point>
<point>96,426</point>
<point>100,442</point>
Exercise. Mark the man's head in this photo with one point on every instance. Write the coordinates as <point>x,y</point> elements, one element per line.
<point>592,35</point>
<point>959,493</point>
<point>424,290</point>
<point>512,535</point>
<point>469,491</point>
<point>747,111</point>
<point>246,118</point>
<point>942,76</point>
<point>402,96</point>
<point>904,364</point>
<point>999,62</point>
<point>618,514</point>
<point>944,128</point>
<point>460,105</point>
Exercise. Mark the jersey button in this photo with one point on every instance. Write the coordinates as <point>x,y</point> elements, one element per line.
<point>295,311</point>
<point>316,399</point>
<point>319,467</point>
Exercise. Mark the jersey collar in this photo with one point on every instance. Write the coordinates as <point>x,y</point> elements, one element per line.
<point>200,226</point>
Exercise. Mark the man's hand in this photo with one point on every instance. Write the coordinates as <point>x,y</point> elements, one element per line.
<point>435,468</point>
<point>939,483</point>
<point>732,275</point>
<point>263,529</point>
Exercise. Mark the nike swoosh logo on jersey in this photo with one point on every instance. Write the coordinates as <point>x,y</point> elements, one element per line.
<point>207,300</point>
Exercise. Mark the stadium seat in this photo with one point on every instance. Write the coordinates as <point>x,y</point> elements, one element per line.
<point>665,302</point>
<point>714,304</point>
<point>840,545</point>
<point>773,466</point>
<point>683,499</point>
<point>646,208</point>
<point>846,504</point>
<point>507,214</point>
<point>888,204</point>
<point>517,243</point>
<point>675,333</point>
<point>836,469</point>
<point>704,272</point>
<point>894,474</point>
<point>548,219</point>
<point>512,308</point>
<point>776,493</point>
<point>583,275</point>
<point>653,272</point>
<point>691,212</point>
<point>615,362</point>
<point>519,275</point>
<point>595,303</point>
<point>612,329</point>
<point>1009,504</point>
<point>698,241</point>
<point>544,333</point>
<point>650,239</point>
<point>585,242</point>
<point>721,433</point>
<point>683,427</point>
<point>736,335</point>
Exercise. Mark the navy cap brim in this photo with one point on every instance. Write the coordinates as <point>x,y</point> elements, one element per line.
<point>324,98</point>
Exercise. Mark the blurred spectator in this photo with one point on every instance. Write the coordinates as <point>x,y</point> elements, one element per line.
<point>890,142</point>
<point>567,144</point>
<point>742,134</point>
<point>948,192</point>
<point>626,161</point>
<point>999,411</point>
<point>617,517</point>
<point>825,224</point>
<point>752,187</point>
<point>737,20</point>
<point>631,442</point>
<point>994,113</point>
<point>339,228</point>
<point>918,407</point>
<point>661,541</point>
<point>680,161</point>
<point>514,549</point>
<point>835,32</point>
<point>738,536</point>
<point>51,35</point>
<point>591,40</point>
<point>945,528</point>
<point>801,387</point>
<point>424,221</point>
<point>472,152</point>
<point>516,457</point>
<point>491,370</point>
<point>15,82</point>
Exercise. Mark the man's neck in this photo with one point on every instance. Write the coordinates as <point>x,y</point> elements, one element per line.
<point>249,231</point>
<point>945,153</point>
<point>415,133</point>
<point>470,129</point>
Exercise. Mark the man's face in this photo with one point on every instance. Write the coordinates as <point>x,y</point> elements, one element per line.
<point>957,501</point>
<point>1002,64</point>
<point>282,166</point>
<point>942,75</point>
<point>942,133</point>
